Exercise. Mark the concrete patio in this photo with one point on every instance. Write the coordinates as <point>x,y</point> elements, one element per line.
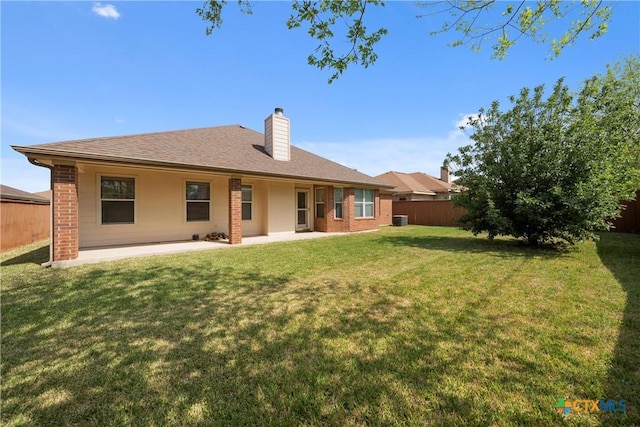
<point>111,253</point>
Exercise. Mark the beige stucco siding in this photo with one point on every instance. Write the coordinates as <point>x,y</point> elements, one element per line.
<point>255,226</point>
<point>281,208</point>
<point>273,209</point>
<point>160,207</point>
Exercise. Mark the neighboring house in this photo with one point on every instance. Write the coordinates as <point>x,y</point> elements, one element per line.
<point>24,218</point>
<point>420,186</point>
<point>168,186</point>
<point>46,194</point>
<point>422,198</point>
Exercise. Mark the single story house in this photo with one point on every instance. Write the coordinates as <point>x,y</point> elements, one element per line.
<point>170,186</point>
<point>24,218</point>
<point>420,186</point>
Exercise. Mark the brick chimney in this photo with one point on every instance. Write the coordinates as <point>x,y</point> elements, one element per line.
<point>445,174</point>
<point>277,139</point>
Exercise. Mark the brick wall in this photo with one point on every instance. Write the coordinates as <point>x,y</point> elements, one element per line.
<point>235,211</point>
<point>65,212</point>
<point>360,224</point>
<point>338,225</point>
<point>330,223</point>
<point>321,224</point>
<point>386,209</point>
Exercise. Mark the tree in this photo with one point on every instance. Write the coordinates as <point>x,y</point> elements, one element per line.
<point>475,20</point>
<point>554,169</point>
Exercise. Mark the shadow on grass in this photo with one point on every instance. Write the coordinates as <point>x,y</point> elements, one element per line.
<point>620,253</point>
<point>191,344</point>
<point>498,247</point>
<point>36,256</point>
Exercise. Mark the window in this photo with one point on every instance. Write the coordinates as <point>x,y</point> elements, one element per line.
<point>247,201</point>
<point>117,200</point>
<point>337,202</point>
<point>198,199</point>
<point>319,202</point>
<point>364,203</point>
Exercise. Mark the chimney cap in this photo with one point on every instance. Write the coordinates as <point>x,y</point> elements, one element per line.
<point>279,111</point>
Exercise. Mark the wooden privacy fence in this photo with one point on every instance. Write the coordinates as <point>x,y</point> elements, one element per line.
<point>22,222</point>
<point>629,222</point>
<point>429,212</point>
<point>442,212</point>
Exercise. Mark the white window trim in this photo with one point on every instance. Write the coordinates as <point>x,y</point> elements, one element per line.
<point>364,204</point>
<point>100,199</point>
<point>186,201</point>
<point>315,196</point>
<point>335,202</point>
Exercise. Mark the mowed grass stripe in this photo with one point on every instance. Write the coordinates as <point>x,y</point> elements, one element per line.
<point>404,326</point>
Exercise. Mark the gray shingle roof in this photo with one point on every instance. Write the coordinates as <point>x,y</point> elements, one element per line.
<point>233,149</point>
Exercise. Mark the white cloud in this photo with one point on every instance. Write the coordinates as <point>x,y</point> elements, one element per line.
<point>106,11</point>
<point>377,156</point>
<point>463,119</point>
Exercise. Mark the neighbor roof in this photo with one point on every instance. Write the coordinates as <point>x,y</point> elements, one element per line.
<point>404,183</point>
<point>10,193</point>
<point>233,149</point>
<point>417,183</point>
<point>433,183</point>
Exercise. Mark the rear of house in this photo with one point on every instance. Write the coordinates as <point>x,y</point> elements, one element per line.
<point>124,205</point>
<point>170,186</point>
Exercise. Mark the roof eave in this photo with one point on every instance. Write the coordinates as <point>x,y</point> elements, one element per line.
<point>421,193</point>
<point>75,156</point>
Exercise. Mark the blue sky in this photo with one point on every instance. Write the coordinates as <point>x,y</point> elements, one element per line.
<point>69,72</point>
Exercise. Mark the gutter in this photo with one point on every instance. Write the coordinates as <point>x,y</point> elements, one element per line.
<point>36,163</point>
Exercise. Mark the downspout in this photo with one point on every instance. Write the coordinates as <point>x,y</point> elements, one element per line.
<point>37,163</point>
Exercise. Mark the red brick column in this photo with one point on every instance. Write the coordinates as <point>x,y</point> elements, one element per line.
<point>65,212</point>
<point>235,211</point>
<point>320,224</point>
<point>348,208</point>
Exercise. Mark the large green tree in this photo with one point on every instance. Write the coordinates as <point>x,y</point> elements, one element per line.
<point>554,168</point>
<point>340,27</point>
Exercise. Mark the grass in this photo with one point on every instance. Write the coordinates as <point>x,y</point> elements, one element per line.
<point>405,326</point>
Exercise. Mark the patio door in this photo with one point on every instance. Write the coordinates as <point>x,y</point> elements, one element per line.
<point>302,210</point>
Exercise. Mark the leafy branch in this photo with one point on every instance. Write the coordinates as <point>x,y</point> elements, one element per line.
<point>321,18</point>
<point>521,19</point>
<point>344,39</point>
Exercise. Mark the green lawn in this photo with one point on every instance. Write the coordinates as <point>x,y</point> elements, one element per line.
<point>405,326</point>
